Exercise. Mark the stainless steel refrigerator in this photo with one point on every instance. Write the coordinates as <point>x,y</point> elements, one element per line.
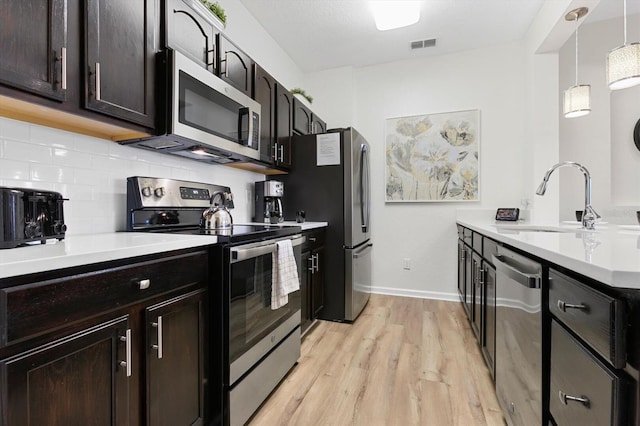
<point>330,181</point>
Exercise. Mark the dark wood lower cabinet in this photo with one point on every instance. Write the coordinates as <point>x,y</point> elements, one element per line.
<point>176,356</point>
<point>312,279</point>
<point>76,380</point>
<point>135,354</point>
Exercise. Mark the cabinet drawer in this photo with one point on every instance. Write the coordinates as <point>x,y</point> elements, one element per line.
<point>594,316</point>
<point>477,242</point>
<point>315,238</point>
<point>489,248</point>
<point>460,231</point>
<point>578,374</point>
<point>32,309</point>
<point>467,236</point>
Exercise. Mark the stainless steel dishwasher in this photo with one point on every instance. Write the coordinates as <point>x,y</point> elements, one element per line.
<point>518,337</point>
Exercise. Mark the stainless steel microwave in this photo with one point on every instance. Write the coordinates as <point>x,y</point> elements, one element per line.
<point>204,117</point>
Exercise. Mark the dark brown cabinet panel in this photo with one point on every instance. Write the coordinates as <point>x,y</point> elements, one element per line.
<point>284,126</point>
<point>477,296</point>
<point>33,36</point>
<point>176,333</point>
<point>192,31</point>
<point>312,279</point>
<point>317,282</point>
<point>461,269</point>
<point>305,122</point>
<point>489,325</point>
<point>234,66</point>
<point>120,58</point>
<point>305,291</point>
<point>78,380</point>
<point>264,92</point>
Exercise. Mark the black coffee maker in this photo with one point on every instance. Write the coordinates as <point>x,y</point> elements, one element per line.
<point>268,201</point>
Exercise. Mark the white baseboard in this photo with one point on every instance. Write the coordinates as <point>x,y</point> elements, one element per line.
<point>420,294</point>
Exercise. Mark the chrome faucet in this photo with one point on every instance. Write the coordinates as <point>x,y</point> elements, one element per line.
<point>589,216</point>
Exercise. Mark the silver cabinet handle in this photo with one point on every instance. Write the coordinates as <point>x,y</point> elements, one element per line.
<point>463,255</point>
<point>529,280</point>
<point>63,59</point>
<point>282,153</point>
<point>481,279</point>
<point>566,398</point>
<point>317,262</point>
<point>563,306</point>
<point>144,284</point>
<point>275,151</point>
<point>158,326</point>
<point>98,94</point>
<point>226,65</point>
<point>127,362</point>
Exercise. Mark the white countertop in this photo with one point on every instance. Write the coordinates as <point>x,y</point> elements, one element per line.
<point>86,249</point>
<point>609,254</point>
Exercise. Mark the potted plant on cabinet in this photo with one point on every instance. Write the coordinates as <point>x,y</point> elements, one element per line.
<point>302,96</point>
<point>217,11</point>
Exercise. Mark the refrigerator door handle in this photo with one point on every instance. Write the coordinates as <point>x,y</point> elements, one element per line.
<point>365,209</point>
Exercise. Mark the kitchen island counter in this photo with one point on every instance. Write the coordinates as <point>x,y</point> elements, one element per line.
<point>609,254</point>
<point>77,250</point>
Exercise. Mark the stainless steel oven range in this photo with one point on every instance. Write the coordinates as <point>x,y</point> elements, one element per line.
<point>251,346</point>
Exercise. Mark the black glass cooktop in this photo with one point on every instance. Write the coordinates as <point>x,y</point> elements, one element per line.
<point>239,233</point>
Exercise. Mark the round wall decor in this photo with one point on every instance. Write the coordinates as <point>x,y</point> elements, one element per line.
<point>636,135</point>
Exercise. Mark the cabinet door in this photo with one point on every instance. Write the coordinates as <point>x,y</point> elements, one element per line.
<point>301,118</point>
<point>78,380</point>
<point>264,92</point>
<point>284,126</point>
<point>477,296</point>
<point>305,290</point>
<point>176,355</point>
<point>317,124</point>
<point>235,66</point>
<point>120,58</point>
<point>489,309</point>
<point>192,31</point>
<point>33,36</point>
<point>317,282</point>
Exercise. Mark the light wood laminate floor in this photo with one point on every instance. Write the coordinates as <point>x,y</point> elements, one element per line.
<point>404,361</point>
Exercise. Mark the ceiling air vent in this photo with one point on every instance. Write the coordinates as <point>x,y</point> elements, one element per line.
<point>420,44</point>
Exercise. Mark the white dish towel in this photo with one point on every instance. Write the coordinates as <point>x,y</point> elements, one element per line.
<point>285,278</point>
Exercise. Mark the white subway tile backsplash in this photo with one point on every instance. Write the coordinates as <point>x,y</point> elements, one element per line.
<point>18,170</point>
<point>65,157</point>
<point>51,173</point>
<point>14,150</point>
<point>92,173</point>
<point>13,129</point>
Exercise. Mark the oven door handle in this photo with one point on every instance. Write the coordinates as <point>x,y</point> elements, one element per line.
<point>239,254</point>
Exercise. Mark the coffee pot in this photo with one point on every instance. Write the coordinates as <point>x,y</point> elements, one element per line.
<point>217,216</point>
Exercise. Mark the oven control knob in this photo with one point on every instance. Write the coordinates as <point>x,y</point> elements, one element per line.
<point>146,191</point>
<point>159,192</point>
<point>59,228</point>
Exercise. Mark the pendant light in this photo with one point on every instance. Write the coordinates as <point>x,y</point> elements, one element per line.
<point>577,99</point>
<point>623,63</point>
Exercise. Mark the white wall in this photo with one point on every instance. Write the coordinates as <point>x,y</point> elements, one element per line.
<point>490,80</point>
<point>602,140</point>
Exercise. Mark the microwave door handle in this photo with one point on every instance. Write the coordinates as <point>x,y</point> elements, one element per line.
<point>244,115</point>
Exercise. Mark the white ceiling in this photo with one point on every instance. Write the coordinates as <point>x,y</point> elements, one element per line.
<point>323,34</point>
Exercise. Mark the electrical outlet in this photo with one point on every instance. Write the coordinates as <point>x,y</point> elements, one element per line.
<point>406,263</point>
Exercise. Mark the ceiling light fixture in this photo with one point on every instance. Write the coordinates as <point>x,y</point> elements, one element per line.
<point>395,14</point>
<point>577,99</point>
<point>623,63</point>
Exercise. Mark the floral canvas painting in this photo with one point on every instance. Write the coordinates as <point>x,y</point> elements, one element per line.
<point>433,157</point>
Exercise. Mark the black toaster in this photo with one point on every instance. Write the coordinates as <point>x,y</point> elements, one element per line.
<point>28,215</point>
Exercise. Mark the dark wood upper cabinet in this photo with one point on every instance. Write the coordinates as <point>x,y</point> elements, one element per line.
<point>305,122</point>
<point>284,126</point>
<point>192,31</point>
<point>33,36</point>
<point>234,66</point>
<point>264,92</point>
<point>120,42</point>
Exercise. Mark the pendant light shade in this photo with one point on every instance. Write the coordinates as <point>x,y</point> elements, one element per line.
<point>577,99</point>
<point>623,66</point>
<point>623,63</point>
